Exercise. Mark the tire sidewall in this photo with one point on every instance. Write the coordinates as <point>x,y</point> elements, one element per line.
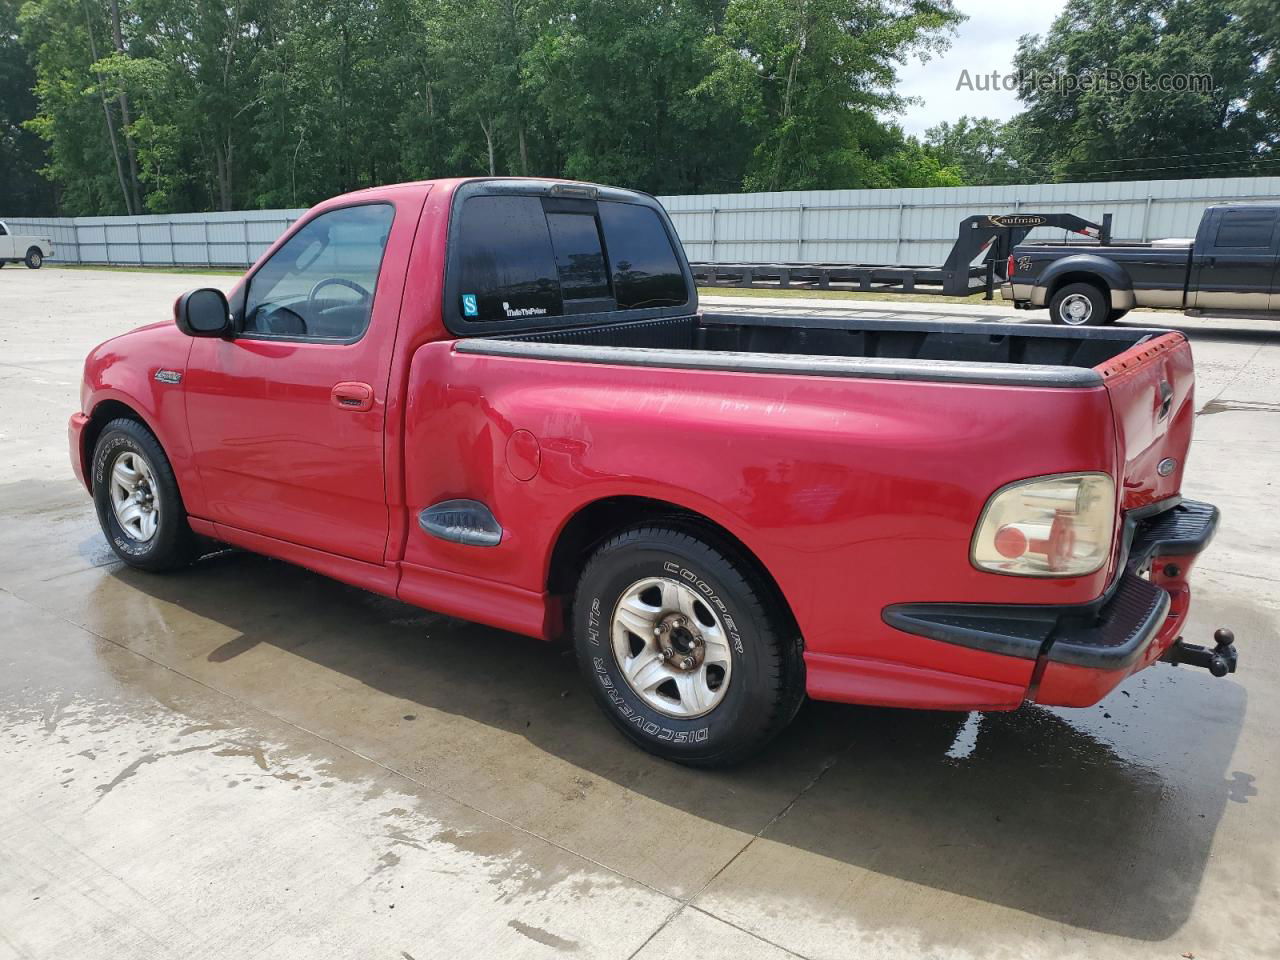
<point>35,259</point>
<point>750,698</point>
<point>114,442</point>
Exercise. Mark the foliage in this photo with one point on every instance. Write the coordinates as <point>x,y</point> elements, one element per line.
<point>193,105</point>
<point>22,190</point>
<point>812,77</point>
<point>113,106</point>
<point>1113,134</point>
<point>981,150</point>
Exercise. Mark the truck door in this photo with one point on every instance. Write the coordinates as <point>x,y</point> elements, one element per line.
<point>287,418</point>
<point>1234,259</point>
<point>6,242</point>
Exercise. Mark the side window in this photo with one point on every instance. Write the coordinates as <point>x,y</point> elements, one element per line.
<point>320,284</point>
<point>584,282</point>
<point>507,268</point>
<point>3,231</point>
<point>1246,229</point>
<point>646,271</point>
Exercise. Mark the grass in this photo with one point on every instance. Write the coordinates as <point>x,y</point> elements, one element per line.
<point>809,294</point>
<point>123,268</point>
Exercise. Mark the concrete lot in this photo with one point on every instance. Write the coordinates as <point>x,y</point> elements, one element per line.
<point>248,760</point>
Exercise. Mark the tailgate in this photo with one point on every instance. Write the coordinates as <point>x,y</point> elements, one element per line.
<point>1151,387</point>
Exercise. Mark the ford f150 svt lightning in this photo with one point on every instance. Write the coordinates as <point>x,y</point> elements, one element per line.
<point>497,398</point>
<point>1231,269</point>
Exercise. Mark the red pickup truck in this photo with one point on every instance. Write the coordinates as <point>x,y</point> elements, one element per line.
<point>498,399</point>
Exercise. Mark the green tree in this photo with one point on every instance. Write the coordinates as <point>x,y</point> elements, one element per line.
<point>812,78</point>
<point>22,190</point>
<point>621,82</point>
<point>980,149</point>
<point>1260,20</point>
<point>1108,133</point>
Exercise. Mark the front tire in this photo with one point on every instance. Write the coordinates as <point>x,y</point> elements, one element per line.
<point>1080,305</point>
<point>34,259</point>
<point>684,648</point>
<point>136,495</point>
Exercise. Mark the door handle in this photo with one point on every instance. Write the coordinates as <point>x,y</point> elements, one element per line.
<point>354,396</point>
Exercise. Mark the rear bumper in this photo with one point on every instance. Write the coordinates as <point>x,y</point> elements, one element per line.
<point>75,437</point>
<point>1082,652</point>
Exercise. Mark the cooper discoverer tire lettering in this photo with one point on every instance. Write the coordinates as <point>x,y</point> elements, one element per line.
<point>680,649</point>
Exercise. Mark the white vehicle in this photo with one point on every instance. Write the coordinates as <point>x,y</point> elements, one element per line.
<point>17,248</point>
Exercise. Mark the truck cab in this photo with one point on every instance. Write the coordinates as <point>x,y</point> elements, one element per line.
<point>1235,262</point>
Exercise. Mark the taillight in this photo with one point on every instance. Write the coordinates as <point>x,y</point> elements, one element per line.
<point>1057,526</point>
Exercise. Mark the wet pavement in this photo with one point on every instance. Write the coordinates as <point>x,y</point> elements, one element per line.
<point>245,759</point>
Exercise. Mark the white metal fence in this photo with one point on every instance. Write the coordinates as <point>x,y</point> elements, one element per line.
<point>234,239</point>
<point>907,226</point>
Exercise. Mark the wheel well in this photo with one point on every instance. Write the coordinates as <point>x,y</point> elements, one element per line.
<point>598,521</point>
<point>103,414</point>
<point>36,249</point>
<point>1090,278</point>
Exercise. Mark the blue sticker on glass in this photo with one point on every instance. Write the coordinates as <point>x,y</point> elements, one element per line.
<point>469,306</point>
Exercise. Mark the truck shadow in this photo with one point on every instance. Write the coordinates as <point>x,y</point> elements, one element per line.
<point>1102,819</point>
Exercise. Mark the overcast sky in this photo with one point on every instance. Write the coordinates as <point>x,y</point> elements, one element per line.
<point>986,41</point>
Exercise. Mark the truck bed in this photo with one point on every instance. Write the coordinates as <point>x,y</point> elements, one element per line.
<point>998,353</point>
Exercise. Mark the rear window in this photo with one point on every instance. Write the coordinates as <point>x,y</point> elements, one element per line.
<point>1246,228</point>
<point>646,272</point>
<point>584,282</point>
<point>508,271</point>
<point>520,258</point>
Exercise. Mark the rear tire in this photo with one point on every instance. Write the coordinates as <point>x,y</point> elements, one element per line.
<point>731,677</point>
<point>34,259</point>
<point>136,494</point>
<point>1080,305</point>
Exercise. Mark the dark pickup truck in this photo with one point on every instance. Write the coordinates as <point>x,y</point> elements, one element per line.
<point>1231,269</point>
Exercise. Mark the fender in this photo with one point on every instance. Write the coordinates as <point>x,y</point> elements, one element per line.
<point>1114,278</point>
<point>123,370</point>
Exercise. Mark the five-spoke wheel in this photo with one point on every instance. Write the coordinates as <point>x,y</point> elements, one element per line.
<point>685,644</point>
<point>134,497</point>
<point>672,648</point>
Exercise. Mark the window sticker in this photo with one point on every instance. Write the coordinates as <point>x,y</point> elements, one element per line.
<point>469,306</point>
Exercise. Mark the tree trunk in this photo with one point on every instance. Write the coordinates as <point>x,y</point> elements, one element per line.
<point>222,153</point>
<point>488,139</point>
<point>125,119</point>
<point>802,39</point>
<point>524,154</point>
<point>106,112</point>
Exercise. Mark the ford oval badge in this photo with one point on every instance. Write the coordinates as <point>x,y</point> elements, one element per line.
<point>1166,466</point>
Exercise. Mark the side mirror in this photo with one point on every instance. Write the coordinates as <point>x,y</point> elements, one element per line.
<point>203,313</point>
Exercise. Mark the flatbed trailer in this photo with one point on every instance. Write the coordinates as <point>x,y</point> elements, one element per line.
<point>990,237</point>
